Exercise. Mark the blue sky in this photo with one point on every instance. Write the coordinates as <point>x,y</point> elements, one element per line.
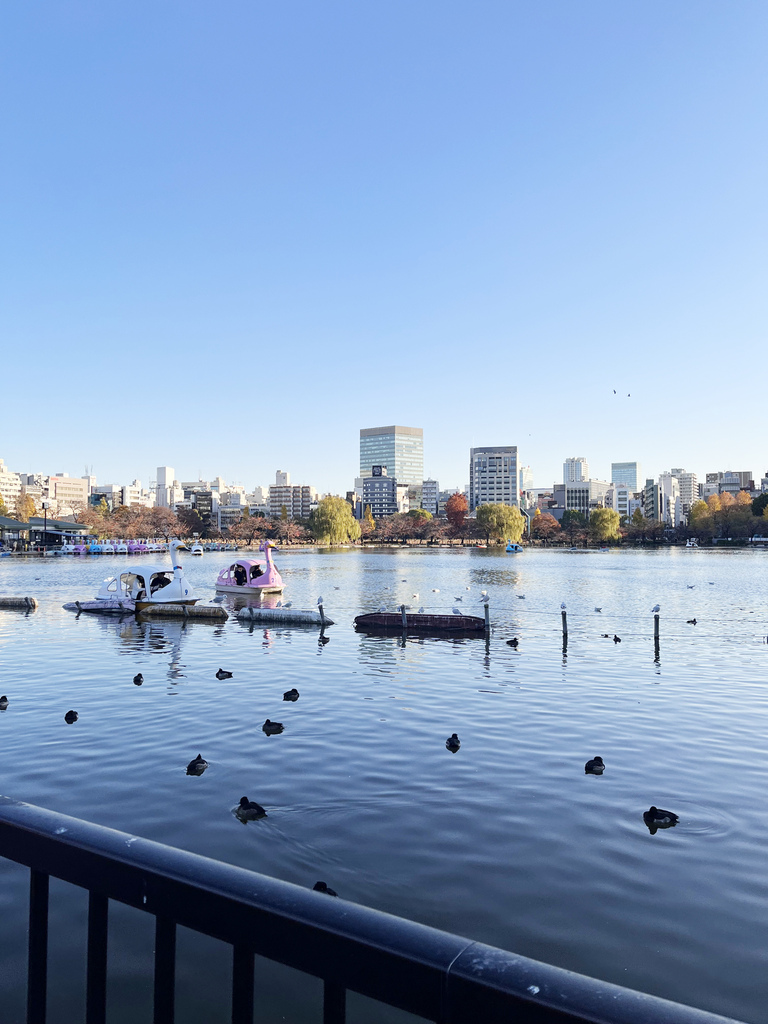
<point>233,234</point>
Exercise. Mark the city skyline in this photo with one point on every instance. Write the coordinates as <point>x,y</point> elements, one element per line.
<point>149,480</point>
<point>212,210</point>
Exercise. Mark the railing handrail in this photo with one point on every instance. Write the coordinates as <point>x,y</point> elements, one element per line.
<point>417,968</point>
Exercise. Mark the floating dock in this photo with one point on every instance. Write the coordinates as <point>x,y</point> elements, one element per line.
<point>283,616</point>
<point>418,622</point>
<point>164,611</point>
<point>24,603</point>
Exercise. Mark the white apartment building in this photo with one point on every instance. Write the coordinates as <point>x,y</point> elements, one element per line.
<point>619,499</point>
<point>670,504</point>
<point>165,483</point>
<point>575,470</point>
<point>493,476</point>
<point>10,487</point>
<point>689,489</point>
<point>68,492</point>
<point>297,499</point>
<point>430,496</point>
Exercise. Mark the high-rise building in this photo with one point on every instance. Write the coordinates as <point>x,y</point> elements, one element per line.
<point>165,478</point>
<point>400,449</point>
<point>430,496</point>
<point>575,470</point>
<point>689,488</point>
<point>493,476</point>
<point>296,499</point>
<point>627,473</point>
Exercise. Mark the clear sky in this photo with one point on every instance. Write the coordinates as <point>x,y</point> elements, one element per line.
<point>235,233</point>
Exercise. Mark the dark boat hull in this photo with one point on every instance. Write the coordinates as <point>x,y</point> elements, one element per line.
<point>419,622</point>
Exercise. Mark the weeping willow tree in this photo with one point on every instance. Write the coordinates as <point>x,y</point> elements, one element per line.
<point>499,521</point>
<point>332,522</point>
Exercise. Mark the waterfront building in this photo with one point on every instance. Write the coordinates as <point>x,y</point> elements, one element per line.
<point>68,492</point>
<point>689,489</point>
<point>581,495</point>
<point>575,470</point>
<point>627,473</point>
<point>384,494</point>
<point>10,486</point>
<point>493,476</point>
<point>619,498</point>
<point>296,499</point>
<point>430,496</point>
<point>661,500</point>
<point>400,449</point>
<point>732,481</point>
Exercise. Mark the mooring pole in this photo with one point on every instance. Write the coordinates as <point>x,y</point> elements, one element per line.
<point>487,618</point>
<point>405,617</point>
<point>565,625</point>
<point>322,615</point>
<point>656,626</point>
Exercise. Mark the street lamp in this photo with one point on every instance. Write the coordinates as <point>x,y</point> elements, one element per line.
<point>46,505</point>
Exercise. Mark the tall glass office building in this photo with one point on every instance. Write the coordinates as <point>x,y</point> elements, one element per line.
<point>400,449</point>
<point>627,473</point>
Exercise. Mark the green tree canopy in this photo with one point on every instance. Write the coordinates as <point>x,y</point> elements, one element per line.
<point>333,522</point>
<point>501,521</point>
<point>420,513</point>
<point>604,524</point>
<point>758,505</point>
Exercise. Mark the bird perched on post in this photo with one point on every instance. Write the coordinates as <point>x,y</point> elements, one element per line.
<point>656,608</point>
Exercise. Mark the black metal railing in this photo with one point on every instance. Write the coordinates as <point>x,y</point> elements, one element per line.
<point>429,973</point>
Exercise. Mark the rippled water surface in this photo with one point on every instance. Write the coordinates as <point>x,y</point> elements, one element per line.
<point>506,841</point>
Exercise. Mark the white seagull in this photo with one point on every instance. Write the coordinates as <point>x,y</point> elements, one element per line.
<point>457,611</point>
<point>435,590</point>
<point>656,608</point>
<point>562,605</point>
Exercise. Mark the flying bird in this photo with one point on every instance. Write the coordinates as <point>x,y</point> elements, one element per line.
<point>598,609</point>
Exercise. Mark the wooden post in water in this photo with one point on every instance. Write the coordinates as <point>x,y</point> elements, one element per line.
<point>405,617</point>
<point>565,626</point>
<point>487,618</point>
<point>656,626</point>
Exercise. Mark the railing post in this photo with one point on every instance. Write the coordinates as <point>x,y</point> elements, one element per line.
<point>334,1003</point>
<point>165,970</point>
<point>242,985</point>
<point>96,970</point>
<point>37,964</point>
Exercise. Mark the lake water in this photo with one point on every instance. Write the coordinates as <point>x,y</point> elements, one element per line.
<point>506,841</point>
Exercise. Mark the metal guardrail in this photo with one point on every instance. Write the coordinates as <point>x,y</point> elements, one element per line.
<point>433,974</point>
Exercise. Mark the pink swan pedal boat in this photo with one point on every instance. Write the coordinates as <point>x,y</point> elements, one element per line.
<point>251,575</point>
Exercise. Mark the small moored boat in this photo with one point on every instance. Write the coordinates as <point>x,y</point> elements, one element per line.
<point>251,575</point>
